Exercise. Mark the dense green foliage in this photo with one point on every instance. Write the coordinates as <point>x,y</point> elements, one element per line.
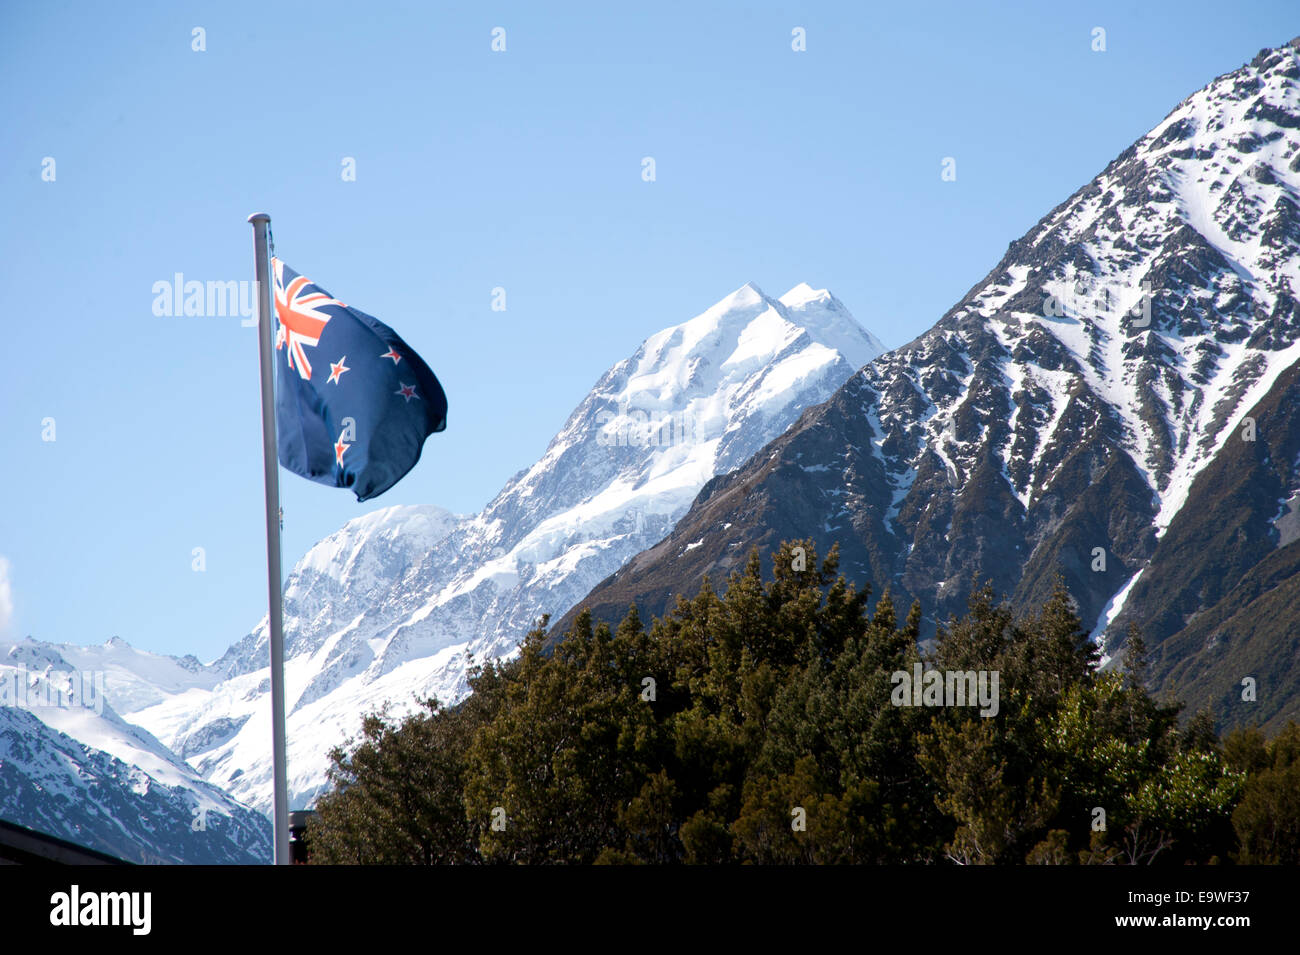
<point>761,726</point>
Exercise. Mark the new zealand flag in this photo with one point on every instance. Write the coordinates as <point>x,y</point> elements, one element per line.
<point>354,403</point>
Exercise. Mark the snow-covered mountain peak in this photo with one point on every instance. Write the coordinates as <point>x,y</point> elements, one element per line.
<point>1112,403</point>
<point>747,295</point>
<point>1171,276</point>
<point>1147,313</point>
<point>699,338</point>
<point>361,539</point>
<point>802,294</point>
<point>388,607</point>
<point>825,317</point>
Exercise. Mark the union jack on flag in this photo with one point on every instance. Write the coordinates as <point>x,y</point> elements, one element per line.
<point>298,306</point>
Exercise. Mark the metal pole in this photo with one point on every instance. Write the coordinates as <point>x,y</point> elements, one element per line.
<point>270,465</point>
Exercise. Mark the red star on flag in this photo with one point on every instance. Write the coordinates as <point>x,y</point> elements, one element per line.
<point>339,448</point>
<point>407,392</point>
<point>337,370</point>
<point>392,353</point>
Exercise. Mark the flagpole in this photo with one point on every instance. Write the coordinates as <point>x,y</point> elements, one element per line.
<point>270,464</point>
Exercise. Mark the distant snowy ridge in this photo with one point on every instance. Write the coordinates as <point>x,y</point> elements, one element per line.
<point>73,767</point>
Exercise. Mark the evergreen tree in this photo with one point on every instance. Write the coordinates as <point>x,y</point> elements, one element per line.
<point>1267,821</point>
<point>759,725</point>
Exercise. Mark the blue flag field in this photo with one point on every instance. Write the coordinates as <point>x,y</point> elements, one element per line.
<point>354,402</point>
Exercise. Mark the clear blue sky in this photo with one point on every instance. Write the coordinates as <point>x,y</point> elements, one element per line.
<point>477,169</point>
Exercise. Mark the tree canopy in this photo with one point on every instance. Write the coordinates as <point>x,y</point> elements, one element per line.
<point>761,725</point>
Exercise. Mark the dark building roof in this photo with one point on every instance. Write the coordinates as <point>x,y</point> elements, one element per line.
<point>22,846</point>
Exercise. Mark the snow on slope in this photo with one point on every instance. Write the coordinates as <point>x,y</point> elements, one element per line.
<point>1160,296</point>
<point>72,766</point>
<point>1061,411</point>
<point>1226,172</point>
<point>398,603</point>
<point>134,679</point>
